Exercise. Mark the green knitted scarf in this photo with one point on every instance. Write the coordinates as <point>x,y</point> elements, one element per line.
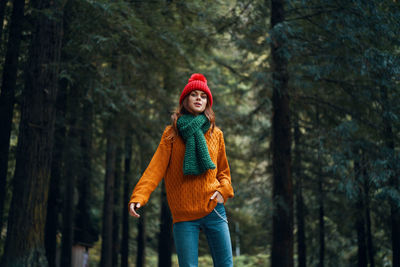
<point>192,129</point>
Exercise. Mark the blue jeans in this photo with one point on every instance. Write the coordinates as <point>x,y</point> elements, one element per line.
<point>215,226</point>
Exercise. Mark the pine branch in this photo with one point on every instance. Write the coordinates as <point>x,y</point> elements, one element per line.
<point>232,69</point>
<point>342,110</point>
<point>308,16</point>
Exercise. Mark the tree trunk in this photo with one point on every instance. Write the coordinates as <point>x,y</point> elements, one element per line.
<point>72,162</point>
<point>282,223</point>
<point>141,237</point>
<point>85,231</point>
<point>8,91</point>
<point>25,234</point>
<point>321,222</point>
<point>53,206</point>
<point>359,215</point>
<point>395,220</point>
<point>165,240</point>
<point>321,201</point>
<point>370,247</point>
<point>301,237</point>
<point>117,212</point>
<point>388,136</point>
<point>107,231</point>
<point>362,249</point>
<point>141,240</point>
<point>125,213</point>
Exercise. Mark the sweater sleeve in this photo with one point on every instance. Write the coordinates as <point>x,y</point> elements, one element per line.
<point>154,172</point>
<point>223,172</point>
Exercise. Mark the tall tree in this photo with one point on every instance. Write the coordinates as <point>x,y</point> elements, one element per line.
<point>282,223</point>
<point>25,234</point>
<point>321,194</point>
<point>389,139</point>
<point>107,228</point>
<point>125,200</point>
<point>141,236</point>
<point>85,233</point>
<point>367,200</point>
<point>8,91</point>
<point>360,212</point>
<point>53,206</point>
<point>117,214</point>
<point>165,241</point>
<point>72,168</point>
<point>301,236</point>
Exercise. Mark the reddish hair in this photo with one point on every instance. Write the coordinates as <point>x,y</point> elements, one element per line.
<point>183,109</point>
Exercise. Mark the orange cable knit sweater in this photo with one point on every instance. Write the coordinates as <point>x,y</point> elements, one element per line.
<point>188,195</point>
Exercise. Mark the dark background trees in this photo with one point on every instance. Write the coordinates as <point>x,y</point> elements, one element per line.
<point>307,100</point>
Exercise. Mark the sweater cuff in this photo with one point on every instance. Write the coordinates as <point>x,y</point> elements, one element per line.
<point>137,200</point>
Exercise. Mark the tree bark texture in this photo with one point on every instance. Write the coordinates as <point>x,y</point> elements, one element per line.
<point>85,231</point>
<point>107,230</point>
<point>125,200</point>
<point>282,224</point>
<point>53,206</point>
<point>359,216</point>
<point>8,91</point>
<point>165,240</point>
<point>25,234</point>
<point>301,236</point>
<point>116,216</point>
<point>72,168</point>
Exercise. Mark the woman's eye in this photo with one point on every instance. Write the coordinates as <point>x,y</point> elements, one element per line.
<point>204,96</point>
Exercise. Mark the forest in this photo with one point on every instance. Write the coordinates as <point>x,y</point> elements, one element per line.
<point>304,91</point>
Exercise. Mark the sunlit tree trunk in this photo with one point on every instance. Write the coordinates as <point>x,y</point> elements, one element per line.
<point>25,234</point>
<point>7,93</point>
<point>282,223</point>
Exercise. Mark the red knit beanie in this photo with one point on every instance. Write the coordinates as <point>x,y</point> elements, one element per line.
<point>196,82</point>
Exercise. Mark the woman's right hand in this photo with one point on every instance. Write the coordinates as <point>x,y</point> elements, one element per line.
<point>132,209</point>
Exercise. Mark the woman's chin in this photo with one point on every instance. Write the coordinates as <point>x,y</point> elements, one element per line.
<point>196,111</point>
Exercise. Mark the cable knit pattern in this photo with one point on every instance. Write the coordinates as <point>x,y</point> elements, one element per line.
<point>197,159</point>
<point>188,195</point>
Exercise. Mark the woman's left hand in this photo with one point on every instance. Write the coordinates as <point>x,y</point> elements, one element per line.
<point>220,198</point>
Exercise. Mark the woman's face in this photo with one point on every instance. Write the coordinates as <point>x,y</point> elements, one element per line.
<point>197,101</point>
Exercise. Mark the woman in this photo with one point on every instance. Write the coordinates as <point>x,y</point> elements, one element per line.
<point>191,158</point>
